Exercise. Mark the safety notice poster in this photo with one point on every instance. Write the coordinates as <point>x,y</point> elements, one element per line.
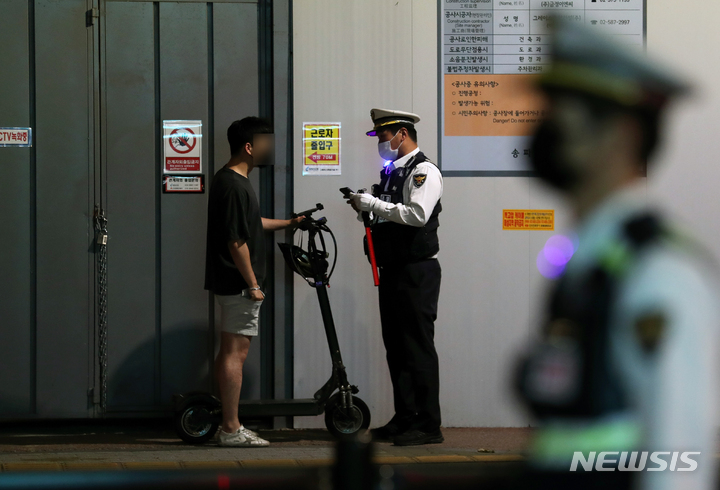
<point>182,143</point>
<point>321,148</point>
<point>490,51</point>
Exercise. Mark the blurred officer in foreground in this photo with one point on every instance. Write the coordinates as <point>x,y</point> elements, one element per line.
<point>625,363</point>
<point>405,208</point>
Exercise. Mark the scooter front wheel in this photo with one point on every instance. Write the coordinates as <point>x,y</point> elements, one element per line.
<point>195,423</point>
<point>345,422</point>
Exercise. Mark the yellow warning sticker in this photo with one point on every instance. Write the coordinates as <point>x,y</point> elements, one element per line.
<point>528,219</point>
<point>321,143</point>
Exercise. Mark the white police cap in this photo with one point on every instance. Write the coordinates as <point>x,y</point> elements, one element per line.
<point>387,117</point>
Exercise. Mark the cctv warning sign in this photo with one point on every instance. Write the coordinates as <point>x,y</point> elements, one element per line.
<point>17,137</point>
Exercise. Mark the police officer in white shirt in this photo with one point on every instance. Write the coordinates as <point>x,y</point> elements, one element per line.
<point>404,209</point>
<point>623,379</point>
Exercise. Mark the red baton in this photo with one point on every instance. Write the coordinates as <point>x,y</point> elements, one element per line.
<point>371,249</point>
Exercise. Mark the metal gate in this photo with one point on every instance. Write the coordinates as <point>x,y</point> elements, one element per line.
<point>160,63</point>
<point>95,79</point>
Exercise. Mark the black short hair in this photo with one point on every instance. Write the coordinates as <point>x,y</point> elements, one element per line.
<point>241,132</point>
<point>394,128</point>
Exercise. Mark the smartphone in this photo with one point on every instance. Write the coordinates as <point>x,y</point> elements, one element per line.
<point>346,192</point>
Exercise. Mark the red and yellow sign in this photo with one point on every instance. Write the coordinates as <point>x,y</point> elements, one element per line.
<point>529,219</point>
<point>321,149</point>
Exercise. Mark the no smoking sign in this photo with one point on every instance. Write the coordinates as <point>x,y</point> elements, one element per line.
<point>183,146</point>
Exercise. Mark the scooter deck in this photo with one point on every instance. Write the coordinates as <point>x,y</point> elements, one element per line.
<point>279,408</point>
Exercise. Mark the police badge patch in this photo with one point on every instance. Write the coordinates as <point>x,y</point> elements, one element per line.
<point>419,179</point>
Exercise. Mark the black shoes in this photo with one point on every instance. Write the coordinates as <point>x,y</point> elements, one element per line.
<point>415,437</point>
<point>407,431</point>
<point>396,426</point>
<point>385,433</point>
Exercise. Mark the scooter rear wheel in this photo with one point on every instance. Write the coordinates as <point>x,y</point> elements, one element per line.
<point>194,423</point>
<point>344,423</point>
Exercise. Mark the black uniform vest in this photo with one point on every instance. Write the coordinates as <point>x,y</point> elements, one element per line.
<point>398,244</point>
<point>568,372</point>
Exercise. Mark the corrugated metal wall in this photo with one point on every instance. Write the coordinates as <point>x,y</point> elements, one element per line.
<point>157,66</point>
<point>17,232</point>
<point>46,289</point>
<point>96,97</point>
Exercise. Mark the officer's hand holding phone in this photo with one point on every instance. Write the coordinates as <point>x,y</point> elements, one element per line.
<point>348,194</point>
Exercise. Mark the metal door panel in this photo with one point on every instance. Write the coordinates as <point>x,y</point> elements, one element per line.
<point>16,260</point>
<point>185,364</point>
<point>158,66</point>
<point>235,73</point>
<point>132,189</point>
<point>64,229</point>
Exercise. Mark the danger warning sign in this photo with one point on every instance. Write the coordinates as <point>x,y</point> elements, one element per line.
<point>528,219</point>
<point>183,146</point>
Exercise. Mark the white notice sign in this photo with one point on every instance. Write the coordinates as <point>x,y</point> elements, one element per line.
<point>182,143</point>
<point>18,137</point>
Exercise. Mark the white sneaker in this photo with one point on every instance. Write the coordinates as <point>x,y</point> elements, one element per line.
<point>252,432</point>
<point>216,437</point>
<point>241,438</point>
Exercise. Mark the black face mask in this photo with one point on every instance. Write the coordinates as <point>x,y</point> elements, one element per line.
<point>547,160</point>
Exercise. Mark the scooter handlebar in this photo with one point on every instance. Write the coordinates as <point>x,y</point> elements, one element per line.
<point>309,212</point>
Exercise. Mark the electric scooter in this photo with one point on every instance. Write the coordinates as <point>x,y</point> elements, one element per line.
<point>198,414</point>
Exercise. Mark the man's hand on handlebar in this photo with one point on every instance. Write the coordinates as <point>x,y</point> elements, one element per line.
<point>295,222</point>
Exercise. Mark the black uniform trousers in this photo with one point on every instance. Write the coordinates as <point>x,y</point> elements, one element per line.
<point>408,309</point>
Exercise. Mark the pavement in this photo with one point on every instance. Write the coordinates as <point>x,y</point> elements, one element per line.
<point>153,444</point>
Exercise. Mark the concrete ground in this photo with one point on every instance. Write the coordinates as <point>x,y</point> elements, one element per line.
<point>143,444</point>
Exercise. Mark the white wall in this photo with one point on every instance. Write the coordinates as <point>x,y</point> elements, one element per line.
<point>687,176</point>
<point>352,56</point>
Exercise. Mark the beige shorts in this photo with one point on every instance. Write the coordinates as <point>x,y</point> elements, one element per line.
<point>238,314</point>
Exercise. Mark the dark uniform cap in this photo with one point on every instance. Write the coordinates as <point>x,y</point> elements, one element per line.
<point>585,61</point>
<point>386,117</point>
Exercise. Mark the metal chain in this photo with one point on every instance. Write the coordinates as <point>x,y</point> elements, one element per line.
<point>101,244</point>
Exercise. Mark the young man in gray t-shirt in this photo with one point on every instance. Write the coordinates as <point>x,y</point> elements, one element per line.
<point>235,264</point>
